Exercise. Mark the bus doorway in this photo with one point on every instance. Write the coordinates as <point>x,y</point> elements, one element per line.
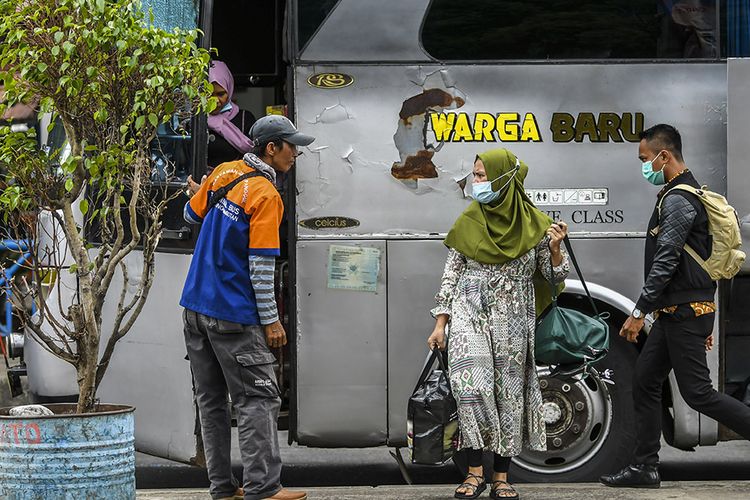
<point>247,36</point>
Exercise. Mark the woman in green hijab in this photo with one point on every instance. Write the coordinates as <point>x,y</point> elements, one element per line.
<point>499,248</point>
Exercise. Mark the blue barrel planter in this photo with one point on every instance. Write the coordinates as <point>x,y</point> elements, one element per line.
<point>68,456</point>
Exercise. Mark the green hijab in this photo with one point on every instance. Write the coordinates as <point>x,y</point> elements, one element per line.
<point>504,230</point>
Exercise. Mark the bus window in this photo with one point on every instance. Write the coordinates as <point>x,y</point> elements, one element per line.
<point>735,17</point>
<point>310,15</point>
<point>169,14</point>
<point>247,27</point>
<point>571,29</point>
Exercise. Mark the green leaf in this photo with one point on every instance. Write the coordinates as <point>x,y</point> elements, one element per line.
<point>139,122</point>
<point>55,50</point>
<point>41,67</point>
<point>153,119</point>
<point>58,36</point>
<point>69,185</point>
<point>84,206</point>
<point>100,5</point>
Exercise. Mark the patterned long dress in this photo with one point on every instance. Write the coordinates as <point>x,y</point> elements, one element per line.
<point>491,349</point>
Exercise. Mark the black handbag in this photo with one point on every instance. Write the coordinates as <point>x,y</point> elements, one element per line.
<point>567,339</point>
<point>432,415</point>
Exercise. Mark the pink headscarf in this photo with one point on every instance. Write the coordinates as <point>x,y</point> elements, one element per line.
<point>218,72</point>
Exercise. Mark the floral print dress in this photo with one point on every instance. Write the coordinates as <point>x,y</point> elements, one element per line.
<point>491,349</point>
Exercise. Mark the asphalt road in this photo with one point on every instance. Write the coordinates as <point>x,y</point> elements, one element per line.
<point>375,467</point>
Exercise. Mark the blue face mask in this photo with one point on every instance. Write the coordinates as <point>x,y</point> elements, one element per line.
<point>227,107</point>
<point>655,178</point>
<point>482,191</point>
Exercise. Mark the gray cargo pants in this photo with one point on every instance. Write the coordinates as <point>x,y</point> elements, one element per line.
<point>229,356</point>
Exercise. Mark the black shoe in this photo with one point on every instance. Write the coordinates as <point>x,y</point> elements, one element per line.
<point>634,476</point>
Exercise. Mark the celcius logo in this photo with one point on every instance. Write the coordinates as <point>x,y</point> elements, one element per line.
<point>330,80</point>
<point>513,127</point>
<point>332,222</point>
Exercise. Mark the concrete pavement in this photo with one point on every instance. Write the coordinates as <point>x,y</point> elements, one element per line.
<point>715,490</point>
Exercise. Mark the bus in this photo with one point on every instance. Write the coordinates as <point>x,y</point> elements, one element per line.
<point>401,95</point>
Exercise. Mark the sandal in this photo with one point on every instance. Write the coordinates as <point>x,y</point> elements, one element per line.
<point>498,488</point>
<point>476,489</point>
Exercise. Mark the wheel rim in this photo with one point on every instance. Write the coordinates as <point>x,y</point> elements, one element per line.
<point>578,417</point>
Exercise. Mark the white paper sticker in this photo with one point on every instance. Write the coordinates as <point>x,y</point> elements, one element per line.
<point>353,268</point>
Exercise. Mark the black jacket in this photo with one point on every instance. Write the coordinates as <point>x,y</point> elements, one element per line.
<point>672,277</point>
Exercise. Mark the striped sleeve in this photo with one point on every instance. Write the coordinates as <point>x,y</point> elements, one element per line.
<point>261,278</point>
<point>189,215</point>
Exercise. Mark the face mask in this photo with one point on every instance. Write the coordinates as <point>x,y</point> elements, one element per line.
<point>655,178</point>
<point>227,107</point>
<point>482,191</point>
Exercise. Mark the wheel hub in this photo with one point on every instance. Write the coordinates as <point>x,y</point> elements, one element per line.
<point>552,412</point>
<point>568,412</point>
<point>578,417</point>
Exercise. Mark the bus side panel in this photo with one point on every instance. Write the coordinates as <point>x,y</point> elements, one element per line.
<point>149,369</point>
<point>341,352</point>
<point>378,156</point>
<point>738,147</point>
<point>414,270</point>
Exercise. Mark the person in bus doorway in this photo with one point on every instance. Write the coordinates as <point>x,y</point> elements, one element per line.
<point>230,317</point>
<point>680,294</point>
<point>499,248</point>
<point>228,125</point>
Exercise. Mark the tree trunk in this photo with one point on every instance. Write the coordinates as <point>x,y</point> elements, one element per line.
<point>88,351</point>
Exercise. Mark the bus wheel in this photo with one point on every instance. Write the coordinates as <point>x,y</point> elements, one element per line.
<point>589,423</point>
<point>590,428</point>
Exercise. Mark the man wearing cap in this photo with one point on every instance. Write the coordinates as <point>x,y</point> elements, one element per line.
<point>230,318</point>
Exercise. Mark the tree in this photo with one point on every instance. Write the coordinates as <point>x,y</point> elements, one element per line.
<point>109,78</point>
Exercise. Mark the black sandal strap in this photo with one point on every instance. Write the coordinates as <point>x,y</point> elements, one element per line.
<point>474,487</point>
<point>509,489</point>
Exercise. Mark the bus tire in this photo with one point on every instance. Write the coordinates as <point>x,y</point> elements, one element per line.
<point>602,442</point>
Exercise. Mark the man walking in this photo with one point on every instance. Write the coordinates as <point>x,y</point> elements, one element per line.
<point>680,294</point>
<point>230,314</point>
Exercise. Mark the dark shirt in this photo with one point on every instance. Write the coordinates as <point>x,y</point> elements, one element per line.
<point>219,149</point>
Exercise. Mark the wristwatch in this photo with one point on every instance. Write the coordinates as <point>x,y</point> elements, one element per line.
<point>637,313</point>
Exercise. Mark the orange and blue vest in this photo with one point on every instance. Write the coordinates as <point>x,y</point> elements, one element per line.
<point>244,223</point>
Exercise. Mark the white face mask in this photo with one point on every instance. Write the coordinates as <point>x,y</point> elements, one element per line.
<point>482,191</point>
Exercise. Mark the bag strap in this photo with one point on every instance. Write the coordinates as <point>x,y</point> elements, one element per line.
<point>224,190</point>
<point>699,193</point>
<point>572,255</point>
<point>437,354</point>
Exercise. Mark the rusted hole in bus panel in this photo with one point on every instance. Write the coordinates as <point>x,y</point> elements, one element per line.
<point>416,157</point>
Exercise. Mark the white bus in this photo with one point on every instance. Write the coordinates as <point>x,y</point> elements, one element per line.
<point>401,95</point>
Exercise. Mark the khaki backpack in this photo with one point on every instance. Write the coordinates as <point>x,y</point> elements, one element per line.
<point>724,227</point>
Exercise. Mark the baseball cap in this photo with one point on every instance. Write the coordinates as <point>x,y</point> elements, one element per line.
<point>274,127</point>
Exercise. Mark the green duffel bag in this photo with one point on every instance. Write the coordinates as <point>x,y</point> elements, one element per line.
<point>569,340</point>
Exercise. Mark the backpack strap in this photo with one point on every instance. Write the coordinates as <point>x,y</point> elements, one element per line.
<point>699,193</point>
<point>224,190</point>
